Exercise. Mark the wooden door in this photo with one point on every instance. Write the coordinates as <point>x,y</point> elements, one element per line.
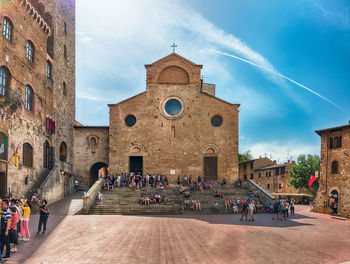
<point>211,168</point>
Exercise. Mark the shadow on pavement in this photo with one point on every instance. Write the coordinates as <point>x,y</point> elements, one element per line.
<point>231,219</point>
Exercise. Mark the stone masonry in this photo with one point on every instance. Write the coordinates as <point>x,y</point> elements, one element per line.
<point>50,26</point>
<point>175,145</point>
<point>334,179</point>
<point>91,147</point>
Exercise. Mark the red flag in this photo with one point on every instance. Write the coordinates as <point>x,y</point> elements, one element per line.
<point>312,179</point>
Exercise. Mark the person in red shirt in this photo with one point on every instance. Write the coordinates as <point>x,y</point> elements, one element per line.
<point>13,233</point>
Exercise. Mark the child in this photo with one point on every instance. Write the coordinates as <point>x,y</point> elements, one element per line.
<point>13,234</point>
<point>100,197</point>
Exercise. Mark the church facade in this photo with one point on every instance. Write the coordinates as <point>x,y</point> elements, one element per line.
<point>176,127</point>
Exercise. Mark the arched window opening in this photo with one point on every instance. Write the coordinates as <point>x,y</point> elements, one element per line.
<point>65,51</point>
<point>30,51</point>
<point>64,88</point>
<point>29,98</point>
<point>330,142</point>
<point>49,70</point>
<point>3,146</point>
<point>48,156</point>
<point>4,80</point>
<point>63,151</point>
<point>335,167</point>
<point>7,29</point>
<point>27,155</point>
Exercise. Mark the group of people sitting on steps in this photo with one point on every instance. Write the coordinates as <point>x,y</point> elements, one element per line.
<point>153,199</point>
<point>136,181</point>
<point>193,205</point>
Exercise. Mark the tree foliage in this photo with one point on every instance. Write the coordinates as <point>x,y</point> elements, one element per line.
<point>300,173</point>
<point>245,156</point>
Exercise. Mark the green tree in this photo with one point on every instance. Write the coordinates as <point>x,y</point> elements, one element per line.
<point>245,156</point>
<point>301,171</point>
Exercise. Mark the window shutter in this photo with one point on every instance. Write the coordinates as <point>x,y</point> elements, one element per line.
<point>45,155</point>
<point>51,157</point>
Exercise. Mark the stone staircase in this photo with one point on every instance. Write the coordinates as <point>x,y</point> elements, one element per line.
<point>125,201</point>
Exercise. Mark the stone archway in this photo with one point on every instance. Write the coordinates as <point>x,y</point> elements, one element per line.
<point>94,171</point>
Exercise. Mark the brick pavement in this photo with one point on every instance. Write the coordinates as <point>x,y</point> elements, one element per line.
<point>306,238</point>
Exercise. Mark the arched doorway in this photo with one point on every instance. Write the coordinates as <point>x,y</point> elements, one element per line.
<point>63,151</point>
<point>334,201</point>
<point>94,171</point>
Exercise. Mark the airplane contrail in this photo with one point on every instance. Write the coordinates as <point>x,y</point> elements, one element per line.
<point>277,73</point>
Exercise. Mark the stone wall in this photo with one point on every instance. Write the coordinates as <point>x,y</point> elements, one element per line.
<point>90,197</point>
<point>58,184</point>
<point>329,181</point>
<point>19,124</point>
<point>91,146</point>
<point>264,196</point>
<point>174,144</point>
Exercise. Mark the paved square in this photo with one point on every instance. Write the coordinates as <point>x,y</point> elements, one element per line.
<point>305,238</point>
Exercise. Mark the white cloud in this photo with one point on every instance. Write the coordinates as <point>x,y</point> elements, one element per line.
<point>279,150</point>
<point>115,38</point>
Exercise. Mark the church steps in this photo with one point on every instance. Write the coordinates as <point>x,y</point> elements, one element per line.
<point>125,201</point>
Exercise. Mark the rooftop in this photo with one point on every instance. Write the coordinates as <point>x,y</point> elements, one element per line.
<point>319,132</point>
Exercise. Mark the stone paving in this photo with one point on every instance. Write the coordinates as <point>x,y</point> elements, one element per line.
<point>304,238</point>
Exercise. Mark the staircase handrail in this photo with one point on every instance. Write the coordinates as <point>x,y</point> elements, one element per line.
<point>48,176</point>
<point>90,197</point>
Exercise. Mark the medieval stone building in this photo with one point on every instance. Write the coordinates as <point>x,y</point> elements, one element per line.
<point>37,95</point>
<point>176,127</point>
<point>334,178</point>
<point>271,176</point>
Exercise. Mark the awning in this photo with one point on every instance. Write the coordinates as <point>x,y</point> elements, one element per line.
<point>291,194</point>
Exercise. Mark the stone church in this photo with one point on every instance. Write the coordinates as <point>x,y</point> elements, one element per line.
<point>176,127</point>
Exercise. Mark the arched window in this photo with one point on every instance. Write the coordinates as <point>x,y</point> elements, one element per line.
<point>7,29</point>
<point>30,51</point>
<point>64,88</point>
<point>27,155</point>
<point>63,151</point>
<point>65,28</point>
<point>330,142</point>
<point>335,167</point>
<point>49,70</point>
<point>3,146</point>
<point>29,98</point>
<point>65,51</point>
<point>4,80</point>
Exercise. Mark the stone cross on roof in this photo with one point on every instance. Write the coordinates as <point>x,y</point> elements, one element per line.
<point>173,46</point>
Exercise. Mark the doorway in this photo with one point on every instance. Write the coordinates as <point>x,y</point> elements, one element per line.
<point>94,171</point>
<point>136,164</point>
<point>211,168</point>
<point>3,184</point>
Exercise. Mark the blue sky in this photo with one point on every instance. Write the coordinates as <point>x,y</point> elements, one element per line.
<point>305,40</point>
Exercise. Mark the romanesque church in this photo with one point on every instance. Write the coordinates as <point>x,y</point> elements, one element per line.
<point>176,127</point>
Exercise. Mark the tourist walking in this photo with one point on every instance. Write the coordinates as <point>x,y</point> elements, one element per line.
<point>6,216</point>
<point>292,207</point>
<point>244,210</point>
<point>44,214</point>
<point>251,211</point>
<point>276,209</point>
<point>26,214</point>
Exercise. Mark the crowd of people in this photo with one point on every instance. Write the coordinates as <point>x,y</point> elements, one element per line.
<point>136,181</point>
<point>281,208</point>
<point>153,199</point>
<point>15,216</point>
